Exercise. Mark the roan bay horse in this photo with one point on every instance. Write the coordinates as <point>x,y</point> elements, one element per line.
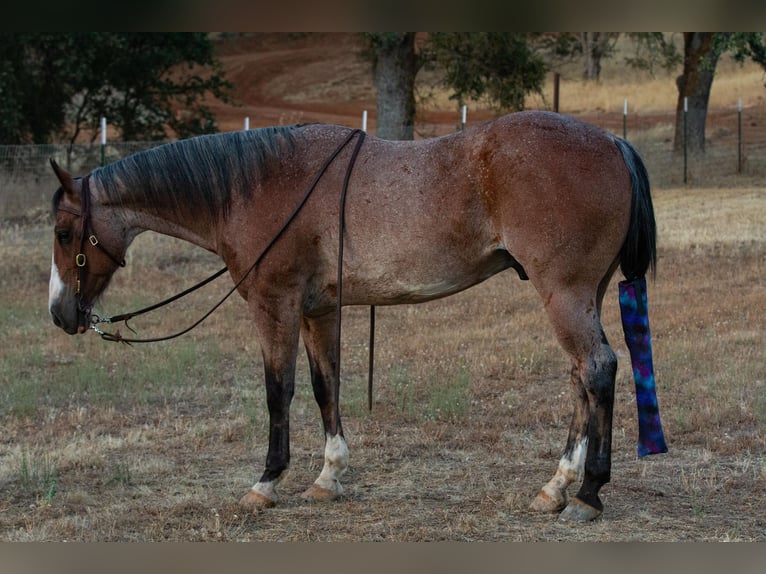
<point>562,202</point>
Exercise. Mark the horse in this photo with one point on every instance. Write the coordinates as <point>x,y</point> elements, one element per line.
<point>562,202</point>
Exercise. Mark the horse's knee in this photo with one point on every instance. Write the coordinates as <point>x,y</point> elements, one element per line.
<point>599,372</point>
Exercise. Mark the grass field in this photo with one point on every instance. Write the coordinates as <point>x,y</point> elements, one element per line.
<point>107,442</point>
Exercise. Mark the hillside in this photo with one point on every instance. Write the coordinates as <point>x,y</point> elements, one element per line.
<point>289,78</point>
<point>283,78</point>
<point>314,77</point>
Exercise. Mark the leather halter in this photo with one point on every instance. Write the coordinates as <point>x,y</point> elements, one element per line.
<point>86,235</point>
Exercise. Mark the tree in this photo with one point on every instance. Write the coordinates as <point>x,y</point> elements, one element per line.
<point>745,45</point>
<point>701,53</point>
<point>32,90</point>
<point>595,46</point>
<point>653,50</point>
<point>152,82</point>
<point>55,85</point>
<point>497,66</point>
<point>395,64</point>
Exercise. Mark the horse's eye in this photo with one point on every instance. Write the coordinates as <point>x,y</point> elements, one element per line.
<point>64,236</point>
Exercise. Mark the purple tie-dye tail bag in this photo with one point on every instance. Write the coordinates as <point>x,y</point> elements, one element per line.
<point>635,324</point>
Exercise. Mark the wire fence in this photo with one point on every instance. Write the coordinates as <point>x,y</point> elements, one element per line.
<point>27,181</point>
<point>731,159</point>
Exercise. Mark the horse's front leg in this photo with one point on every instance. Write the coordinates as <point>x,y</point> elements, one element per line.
<point>279,344</point>
<point>319,338</point>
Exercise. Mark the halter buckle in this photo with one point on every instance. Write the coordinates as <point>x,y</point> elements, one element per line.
<point>93,240</point>
<point>79,260</point>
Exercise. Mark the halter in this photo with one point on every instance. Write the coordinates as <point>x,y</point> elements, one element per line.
<point>86,234</point>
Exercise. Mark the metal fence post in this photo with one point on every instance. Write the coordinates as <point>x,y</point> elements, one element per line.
<point>686,109</point>
<point>739,135</point>
<point>625,119</point>
<point>103,141</point>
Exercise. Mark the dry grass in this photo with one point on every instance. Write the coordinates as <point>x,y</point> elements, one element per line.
<point>103,442</point>
<point>647,92</point>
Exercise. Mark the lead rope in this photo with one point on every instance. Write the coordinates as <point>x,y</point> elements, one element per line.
<point>339,302</point>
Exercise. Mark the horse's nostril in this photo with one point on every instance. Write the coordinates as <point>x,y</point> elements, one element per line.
<point>56,320</point>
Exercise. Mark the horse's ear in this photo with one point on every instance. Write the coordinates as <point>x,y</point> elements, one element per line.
<point>64,176</point>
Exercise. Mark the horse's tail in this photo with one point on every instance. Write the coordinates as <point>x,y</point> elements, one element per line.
<point>637,256</point>
<point>639,252</point>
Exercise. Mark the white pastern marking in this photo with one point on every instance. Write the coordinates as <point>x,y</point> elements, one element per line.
<point>269,489</point>
<point>56,285</point>
<point>570,469</point>
<point>335,463</point>
<point>573,466</point>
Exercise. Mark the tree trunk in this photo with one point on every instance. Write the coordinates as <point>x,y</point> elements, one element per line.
<point>396,65</point>
<point>700,59</point>
<point>594,46</point>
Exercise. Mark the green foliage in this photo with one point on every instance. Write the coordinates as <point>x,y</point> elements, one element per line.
<point>53,84</point>
<point>377,42</point>
<point>653,50</point>
<point>744,45</point>
<point>498,66</point>
<point>32,96</point>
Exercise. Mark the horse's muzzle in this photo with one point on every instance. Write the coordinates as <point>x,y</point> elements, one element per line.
<point>76,321</point>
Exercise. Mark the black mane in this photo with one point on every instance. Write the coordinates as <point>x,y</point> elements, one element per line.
<point>203,172</point>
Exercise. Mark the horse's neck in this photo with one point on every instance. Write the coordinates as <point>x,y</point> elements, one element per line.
<point>138,219</point>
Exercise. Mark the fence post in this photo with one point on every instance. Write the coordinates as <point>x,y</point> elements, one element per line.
<point>247,123</point>
<point>686,109</point>
<point>103,141</point>
<point>364,121</point>
<point>739,134</point>
<point>462,116</point>
<point>556,81</point>
<point>625,119</point>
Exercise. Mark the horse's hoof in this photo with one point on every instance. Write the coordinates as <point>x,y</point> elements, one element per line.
<point>544,502</point>
<point>578,511</point>
<point>254,501</point>
<point>316,493</point>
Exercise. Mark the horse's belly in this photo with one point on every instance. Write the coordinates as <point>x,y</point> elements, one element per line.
<point>417,283</point>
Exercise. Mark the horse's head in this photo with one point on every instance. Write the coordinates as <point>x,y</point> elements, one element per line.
<point>82,265</point>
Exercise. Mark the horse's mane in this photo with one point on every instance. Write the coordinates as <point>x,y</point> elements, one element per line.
<point>203,172</point>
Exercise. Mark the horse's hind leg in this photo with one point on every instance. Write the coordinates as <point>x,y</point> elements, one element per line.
<point>319,338</point>
<point>553,496</point>
<point>575,318</point>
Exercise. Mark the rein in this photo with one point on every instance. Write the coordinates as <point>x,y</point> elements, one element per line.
<point>117,337</point>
